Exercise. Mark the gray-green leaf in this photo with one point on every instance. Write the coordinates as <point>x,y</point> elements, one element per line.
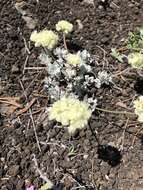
<point>117,55</point>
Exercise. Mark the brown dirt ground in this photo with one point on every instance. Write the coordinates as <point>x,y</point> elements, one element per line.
<point>103,28</point>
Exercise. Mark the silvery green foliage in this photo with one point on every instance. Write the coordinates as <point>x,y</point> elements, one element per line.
<point>103,78</point>
<point>64,79</point>
<point>69,72</point>
<point>89,80</point>
<point>92,102</point>
<point>60,52</point>
<point>86,58</point>
<point>45,59</point>
<point>53,67</point>
<point>53,88</point>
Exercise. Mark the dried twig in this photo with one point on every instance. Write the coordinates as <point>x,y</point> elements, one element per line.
<point>26,47</point>
<point>32,119</point>
<point>11,101</point>
<point>25,63</point>
<point>43,176</point>
<point>136,134</point>
<point>104,56</point>
<point>40,95</point>
<point>5,56</point>
<point>64,40</point>
<point>26,108</point>
<point>32,82</point>
<point>35,68</point>
<point>121,72</point>
<point>123,136</point>
<point>114,112</point>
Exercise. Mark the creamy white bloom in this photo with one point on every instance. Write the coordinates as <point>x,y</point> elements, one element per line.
<point>70,111</point>
<point>64,26</point>
<point>136,60</point>
<point>45,38</point>
<point>138,105</point>
<point>73,59</point>
<point>47,185</point>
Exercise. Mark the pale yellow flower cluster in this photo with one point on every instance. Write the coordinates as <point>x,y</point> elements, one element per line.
<point>47,186</point>
<point>64,26</point>
<point>70,111</point>
<point>138,105</point>
<point>136,60</point>
<point>73,59</point>
<point>45,38</point>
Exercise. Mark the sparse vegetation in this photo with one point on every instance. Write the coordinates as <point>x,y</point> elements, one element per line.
<point>71,95</point>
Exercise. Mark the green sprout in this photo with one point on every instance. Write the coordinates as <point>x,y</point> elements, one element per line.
<point>72,151</point>
<point>135,39</point>
<point>114,53</point>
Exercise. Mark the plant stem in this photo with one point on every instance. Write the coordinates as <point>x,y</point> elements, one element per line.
<point>119,73</point>
<point>64,40</point>
<point>128,48</point>
<point>45,50</point>
<point>114,112</point>
<point>94,134</point>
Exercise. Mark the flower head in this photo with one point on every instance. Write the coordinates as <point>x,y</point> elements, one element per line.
<point>45,38</point>
<point>70,111</point>
<point>136,60</point>
<point>138,105</point>
<point>64,26</point>
<point>30,188</point>
<point>73,59</point>
<point>47,186</point>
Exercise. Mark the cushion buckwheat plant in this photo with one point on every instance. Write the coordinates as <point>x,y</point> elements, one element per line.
<point>70,112</point>
<point>72,79</point>
<point>136,60</point>
<point>64,26</point>
<point>45,38</point>
<point>138,105</point>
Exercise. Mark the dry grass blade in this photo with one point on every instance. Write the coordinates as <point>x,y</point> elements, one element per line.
<point>11,101</point>
<point>26,108</point>
<point>31,116</point>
